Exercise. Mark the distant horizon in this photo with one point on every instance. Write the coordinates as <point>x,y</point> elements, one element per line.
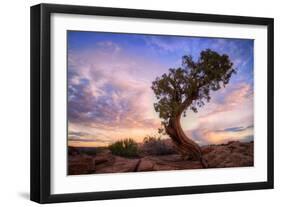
<point>109,94</point>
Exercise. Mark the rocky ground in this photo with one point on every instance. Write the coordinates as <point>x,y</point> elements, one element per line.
<point>232,154</point>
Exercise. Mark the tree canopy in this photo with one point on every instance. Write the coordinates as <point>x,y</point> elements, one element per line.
<point>189,86</point>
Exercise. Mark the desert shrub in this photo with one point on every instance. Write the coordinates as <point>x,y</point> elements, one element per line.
<point>125,148</point>
<point>155,146</point>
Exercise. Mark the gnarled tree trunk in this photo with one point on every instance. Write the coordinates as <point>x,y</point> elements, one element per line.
<point>185,145</point>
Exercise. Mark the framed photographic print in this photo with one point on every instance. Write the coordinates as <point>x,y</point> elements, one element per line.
<point>133,103</point>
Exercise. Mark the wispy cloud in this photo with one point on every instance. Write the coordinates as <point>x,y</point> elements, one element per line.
<point>105,92</point>
<point>109,45</point>
<point>87,137</point>
<point>110,98</point>
<point>229,116</point>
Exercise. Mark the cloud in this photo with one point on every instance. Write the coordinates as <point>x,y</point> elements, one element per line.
<point>209,136</point>
<point>235,129</point>
<point>215,137</point>
<point>86,137</point>
<point>103,92</point>
<point>109,45</point>
<point>234,101</point>
<point>229,116</point>
<point>71,139</point>
<point>164,43</point>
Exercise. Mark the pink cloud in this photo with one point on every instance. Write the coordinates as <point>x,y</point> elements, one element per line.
<point>107,93</point>
<point>234,98</point>
<point>229,108</point>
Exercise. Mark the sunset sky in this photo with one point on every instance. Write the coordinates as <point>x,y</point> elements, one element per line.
<point>110,96</point>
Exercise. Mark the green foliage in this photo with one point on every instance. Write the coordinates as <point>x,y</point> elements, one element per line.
<point>153,145</point>
<point>189,86</point>
<point>125,148</point>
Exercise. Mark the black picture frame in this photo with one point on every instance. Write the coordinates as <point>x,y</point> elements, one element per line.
<point>41,98</point>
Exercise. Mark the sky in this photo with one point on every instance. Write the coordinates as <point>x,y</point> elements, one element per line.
<point>110,96</point>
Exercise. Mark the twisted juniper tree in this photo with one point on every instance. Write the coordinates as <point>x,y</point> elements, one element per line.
<point>189,87</point>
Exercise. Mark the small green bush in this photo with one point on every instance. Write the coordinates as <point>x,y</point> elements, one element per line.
<point>125,148</point>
